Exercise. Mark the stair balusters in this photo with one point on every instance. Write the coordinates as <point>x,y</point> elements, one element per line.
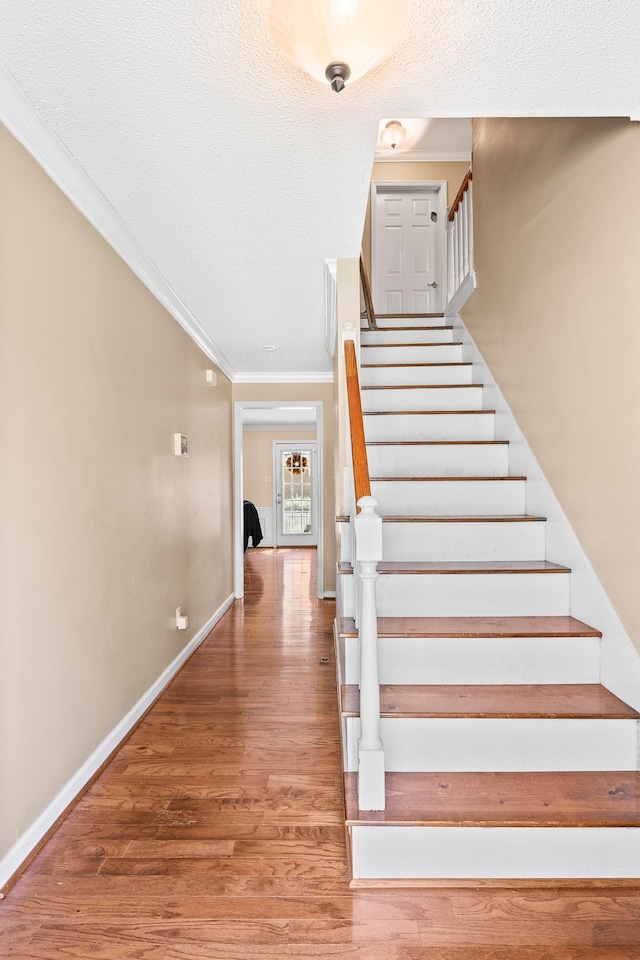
<point>367,526</point>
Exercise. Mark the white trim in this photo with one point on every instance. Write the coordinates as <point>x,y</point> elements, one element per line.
<point>285,376</point>
<point>402,186</point>
<point>329,595</point>
<point>278,425</point>
<point>620,662</point>
<point>27,126</point>
<point>635,114</point>
<point>330,304</point>
<point>461,295</point>
<point>238,552</point>
<point>23,847</point>
<point>425,156</point>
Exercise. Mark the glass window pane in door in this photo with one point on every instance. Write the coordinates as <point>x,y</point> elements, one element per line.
<point>296,491</point>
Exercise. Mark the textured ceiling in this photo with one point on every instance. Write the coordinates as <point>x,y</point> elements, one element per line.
<point>238,175</point>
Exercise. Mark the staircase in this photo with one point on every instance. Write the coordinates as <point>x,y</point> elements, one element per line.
<point>505,757</point>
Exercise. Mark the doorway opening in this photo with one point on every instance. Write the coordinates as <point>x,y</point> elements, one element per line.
<point>278,457</point>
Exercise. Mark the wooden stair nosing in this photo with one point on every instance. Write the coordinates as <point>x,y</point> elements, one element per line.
<point>412,316</point>
<point>424,363</point>
<point>485,518</point>
<point>421,413</point>
<point>439,326</point>
<point>541,799</point>
<point>434,443</point>
<point>438,567</point>
<point>453,479</point>
<point>475,627</point>
<point>430,343</point>
<point>580,701</point>
<point>424,386</point>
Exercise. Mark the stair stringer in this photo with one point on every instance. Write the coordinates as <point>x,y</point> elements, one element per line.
<point>619,659</point>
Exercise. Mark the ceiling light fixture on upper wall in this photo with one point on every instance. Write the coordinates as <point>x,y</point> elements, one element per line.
<point>337,40</point>
<point>393,134</point>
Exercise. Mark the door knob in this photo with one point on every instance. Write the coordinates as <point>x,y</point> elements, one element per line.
<point>434,284</point>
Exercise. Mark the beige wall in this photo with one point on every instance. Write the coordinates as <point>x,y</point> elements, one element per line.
<point>257,461</point>
<point>399,172</point>
<point>323,392</point>
<point>103,532</point>
<point>557,317</point>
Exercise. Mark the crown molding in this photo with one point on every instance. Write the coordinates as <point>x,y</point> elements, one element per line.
<point>22,120</point>
<point>422,156</point>
<point>285,376</point>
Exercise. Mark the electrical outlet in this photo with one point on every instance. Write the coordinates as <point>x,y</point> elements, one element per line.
<point>182,622</point>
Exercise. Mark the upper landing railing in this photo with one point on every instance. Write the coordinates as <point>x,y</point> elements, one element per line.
<point>368,313</point>
<point>461,279</point>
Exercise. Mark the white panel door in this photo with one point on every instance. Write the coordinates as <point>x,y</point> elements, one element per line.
<point>407,244</point>
<point>296,493</point>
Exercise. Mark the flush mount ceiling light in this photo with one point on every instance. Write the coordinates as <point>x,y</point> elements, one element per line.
<point>393,134</point>
<point>337,40</point>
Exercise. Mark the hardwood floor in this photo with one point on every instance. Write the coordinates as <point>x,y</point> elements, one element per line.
<point>217,831</point>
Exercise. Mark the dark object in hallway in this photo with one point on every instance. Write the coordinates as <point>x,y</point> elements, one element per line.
<point>252,526</point>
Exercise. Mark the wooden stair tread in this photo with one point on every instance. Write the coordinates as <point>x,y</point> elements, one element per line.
<point>425,386</point>
<point>453,479</point>
<point>439,326</point>
<point>548,701</point>
<point>418,363</point>
<point>541,799</point>
<point>422,413</point>
<point>475,627</point>
<point>485,518</point>
<point>434,443</point>
<point>470,566</point>
<point>407,316</point>
<point>383,346</point>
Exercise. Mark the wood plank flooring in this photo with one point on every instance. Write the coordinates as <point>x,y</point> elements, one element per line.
<point>217,831</point>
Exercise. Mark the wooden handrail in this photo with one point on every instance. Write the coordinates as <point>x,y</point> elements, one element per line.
<point>369,313</point>
<point>358,445</point>
<point>464,186</point>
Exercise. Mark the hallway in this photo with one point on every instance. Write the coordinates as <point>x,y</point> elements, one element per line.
<point>217,829</point>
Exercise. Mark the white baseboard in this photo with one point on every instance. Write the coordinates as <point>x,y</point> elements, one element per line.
<point>329,595</point>
<point>620,662</point>
<point>23,847</point>
<point>461,295</point>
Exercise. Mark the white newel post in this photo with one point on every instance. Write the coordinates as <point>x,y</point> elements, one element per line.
<point>368,524</point>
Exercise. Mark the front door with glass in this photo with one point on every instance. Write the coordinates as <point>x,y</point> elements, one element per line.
<point>295,473</point>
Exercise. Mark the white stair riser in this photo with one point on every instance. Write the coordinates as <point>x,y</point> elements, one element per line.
<point>460,498</point>
<point>438,353</point>
<point>439,460</point>
<point>473,595</point>
<point>480,660</point>
<point>466,540</point>
<point>423,398</point>
<point>394,376</point>
<point>432,335</point>
<point>478,744</point>
<point>346,590</point>
<point>440,426</point>
<point>499,852</point>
